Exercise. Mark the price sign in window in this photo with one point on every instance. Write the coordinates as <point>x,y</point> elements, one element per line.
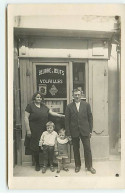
<point>55,106</point>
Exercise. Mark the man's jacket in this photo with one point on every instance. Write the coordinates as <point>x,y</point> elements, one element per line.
<point>78,122</point>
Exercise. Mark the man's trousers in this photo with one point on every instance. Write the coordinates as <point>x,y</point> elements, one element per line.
<point>87,151</point>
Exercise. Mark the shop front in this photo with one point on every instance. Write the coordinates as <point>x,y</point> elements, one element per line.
<point>55,65</point>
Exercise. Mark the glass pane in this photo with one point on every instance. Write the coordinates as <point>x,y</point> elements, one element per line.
<point>79,77</point>
<point>51,81</point>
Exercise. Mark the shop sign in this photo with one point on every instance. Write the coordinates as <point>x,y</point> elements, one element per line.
<point>51,81</point>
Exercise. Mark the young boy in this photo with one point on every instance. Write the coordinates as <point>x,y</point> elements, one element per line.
<point>47,143</point>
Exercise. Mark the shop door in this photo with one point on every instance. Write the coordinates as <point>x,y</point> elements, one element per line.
<point>52,79</point>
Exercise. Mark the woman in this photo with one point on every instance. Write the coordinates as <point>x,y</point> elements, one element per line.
<point>36,117</point>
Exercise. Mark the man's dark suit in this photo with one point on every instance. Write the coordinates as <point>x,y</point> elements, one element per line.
<point>79,125</point>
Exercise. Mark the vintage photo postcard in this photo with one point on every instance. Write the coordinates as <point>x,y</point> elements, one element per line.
<point>66,96</point>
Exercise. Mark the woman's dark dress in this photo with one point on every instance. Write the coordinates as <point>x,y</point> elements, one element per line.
<point>37,122</point>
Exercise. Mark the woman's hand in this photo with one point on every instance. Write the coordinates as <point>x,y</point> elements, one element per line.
<point>41,147</point>
<point>56,114</point>
<point>28,133</point>
<point>90,135</point>
<point>62,115</point>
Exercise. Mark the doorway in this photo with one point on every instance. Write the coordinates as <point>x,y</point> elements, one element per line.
<point>56,81</point>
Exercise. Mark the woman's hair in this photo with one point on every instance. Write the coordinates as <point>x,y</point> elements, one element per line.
<point>37,93</point>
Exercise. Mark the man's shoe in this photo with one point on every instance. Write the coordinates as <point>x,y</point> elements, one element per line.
<point>52,168</point>
<point>37,167</point>
<point>77,169</point>
<point>92,170</point>
<point>44,169</point>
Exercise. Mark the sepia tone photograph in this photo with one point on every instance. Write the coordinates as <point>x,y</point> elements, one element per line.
<point>65,97</point>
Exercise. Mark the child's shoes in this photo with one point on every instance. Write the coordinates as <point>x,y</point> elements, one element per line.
<point>52,168</point>
<point>65,169</point>
<point>44,169</point>
<point>58,170</point>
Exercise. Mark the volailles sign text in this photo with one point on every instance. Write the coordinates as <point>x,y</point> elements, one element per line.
<point>51,80</point>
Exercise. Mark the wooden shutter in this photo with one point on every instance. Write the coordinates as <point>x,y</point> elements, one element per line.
<point>98,96</point>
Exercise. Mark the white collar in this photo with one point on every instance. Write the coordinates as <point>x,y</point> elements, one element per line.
<point>62,141</point>
<point>77,103</point>
<point>50,133</point>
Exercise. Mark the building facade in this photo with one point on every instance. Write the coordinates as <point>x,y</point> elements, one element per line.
<point>56,54</point>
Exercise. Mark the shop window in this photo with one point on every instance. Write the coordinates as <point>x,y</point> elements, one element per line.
<point>79,77</point>
<point>52,83</point>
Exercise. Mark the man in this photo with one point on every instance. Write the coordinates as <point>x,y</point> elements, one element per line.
<point>78,124</point>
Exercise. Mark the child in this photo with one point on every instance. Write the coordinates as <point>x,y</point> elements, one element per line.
<point>47,143</point>
<point>62,149</point>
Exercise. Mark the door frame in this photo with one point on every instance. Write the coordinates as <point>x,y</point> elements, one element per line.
<point>32,62</point>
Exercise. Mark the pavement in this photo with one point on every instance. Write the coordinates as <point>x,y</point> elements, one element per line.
<point>109,167</point>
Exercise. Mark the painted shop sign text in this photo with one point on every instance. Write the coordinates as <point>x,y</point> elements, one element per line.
<point>51,80</point>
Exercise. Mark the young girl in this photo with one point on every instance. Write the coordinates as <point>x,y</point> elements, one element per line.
<point>62,150</point>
